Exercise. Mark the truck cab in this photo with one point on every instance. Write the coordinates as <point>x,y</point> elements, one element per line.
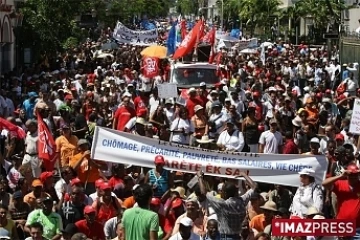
<point>187,75</point>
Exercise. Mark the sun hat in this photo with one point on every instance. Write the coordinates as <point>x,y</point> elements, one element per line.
<point>140,120</point>
<point>270,206</point>
<point>307,171</point>
<point>179,190</point>
<point>204,139</point>
<point>297,121</point>
<point>191,90</point>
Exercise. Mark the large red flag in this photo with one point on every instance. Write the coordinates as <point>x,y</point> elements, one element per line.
<point>189,42</point>
<point>46,145</point>
<point>150,67</point>
<point>16,130</point>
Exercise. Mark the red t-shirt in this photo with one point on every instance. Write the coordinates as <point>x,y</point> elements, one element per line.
<point>348,201</point>
<point>167,223</point>
<point>123,115</point>
<point>115,181</point>
<point>140,103</point>
<point>95,231</point>
<point>191,103</point>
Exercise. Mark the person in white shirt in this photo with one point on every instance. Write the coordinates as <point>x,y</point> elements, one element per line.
<point>217,119</point>
<point>231,139</point>
<point>185,231</point>
<point>271,141</point>
<point>351,85</point>
<point>63,185</point>
<point>181,128</point>
<point>329,134</point>
<point>154,101</point>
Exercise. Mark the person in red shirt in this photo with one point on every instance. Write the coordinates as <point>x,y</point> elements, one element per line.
<point>290,146</point>
<point>89,226</point>
<point>203,93</point>
<point>123,114</point>
<point>192,101</point>
<point>107,206</point>
<point>118,173</point>
<point>141,101</point>
<point>347,189</point>
<point>164,222</point>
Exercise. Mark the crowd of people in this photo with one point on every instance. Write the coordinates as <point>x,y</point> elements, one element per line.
<point>298,102</point>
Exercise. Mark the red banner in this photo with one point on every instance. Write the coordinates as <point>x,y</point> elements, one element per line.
<point>150,67</point>
<point>12,128</point>
<point>189,42</point>
<point>211,40</point>
<point>46,145</point>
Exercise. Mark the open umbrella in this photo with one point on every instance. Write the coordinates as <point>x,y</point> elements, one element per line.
<point>104,55</point>
<point>155,51</point>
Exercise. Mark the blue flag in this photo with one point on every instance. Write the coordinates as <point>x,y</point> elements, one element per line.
<point>235,33</point>
<point>171,40</point>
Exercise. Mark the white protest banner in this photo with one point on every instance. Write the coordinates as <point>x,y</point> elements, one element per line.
<point>123,34</point>
<point>355,118</point>
<point>120,147</point>
<point>167,90</point>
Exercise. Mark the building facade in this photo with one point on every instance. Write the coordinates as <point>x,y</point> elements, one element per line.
<point>7,37</point>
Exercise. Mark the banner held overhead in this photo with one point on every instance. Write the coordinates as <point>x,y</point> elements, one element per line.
<point>122,34</point>
<point>120,147</point>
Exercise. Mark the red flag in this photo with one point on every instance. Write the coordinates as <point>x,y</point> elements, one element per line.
<point>46,145</point>
<point>183,29</point>
<point>212,43</point>
<point>150,67</point>
<point>15,130</point>
<point>189,41</point>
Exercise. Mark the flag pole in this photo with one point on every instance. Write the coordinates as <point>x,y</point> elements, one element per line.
<point>195,55</point>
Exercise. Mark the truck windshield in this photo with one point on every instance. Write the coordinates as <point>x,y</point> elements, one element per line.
<point>194,76</point>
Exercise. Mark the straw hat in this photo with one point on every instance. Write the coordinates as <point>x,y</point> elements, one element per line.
<point>179,190</point>
<point>204,139</point>
<point>270,206</point>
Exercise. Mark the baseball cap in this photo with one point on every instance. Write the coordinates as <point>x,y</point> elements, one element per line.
<point>339,136</point>
<point>155,202</point>
<point>75,181</point>
<point>202,84</point>
<point>46,175</point>
<point>17,194</point>
<point>159,160</point>
<point>70,229</point>
<point>187,222</point>
<point>82,142</point>
<point>315,140</point>
<point>105,186</point>
<point>36,183</point>
<point>47,199</point>
<point>89,209</point>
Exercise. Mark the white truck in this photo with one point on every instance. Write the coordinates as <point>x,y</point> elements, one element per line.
<point>187,75</point>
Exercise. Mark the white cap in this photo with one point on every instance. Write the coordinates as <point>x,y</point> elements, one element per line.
<point>307,171</point>
<point>306,89</point>
<point>187,222</point>
<point>224,81</point>
<point>213,91</point>
<point>315,140</point>
<point>135,187</point>
<point>326,100</point>
<point>272,89</point>
<point>98,68</point>
<point>122,81</point>
<point>227,100</point>
<point>220,186</point>
<point>191,90</point>
<point>202,84</point>
<point>78,76</point>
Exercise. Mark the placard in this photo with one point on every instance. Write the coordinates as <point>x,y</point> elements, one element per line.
<point>123,34</point>
<point>167,90</point>
<point>355,118</point>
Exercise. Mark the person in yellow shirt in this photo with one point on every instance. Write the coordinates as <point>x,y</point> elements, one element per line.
<point>66,145</point>
<point>88,170</point>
